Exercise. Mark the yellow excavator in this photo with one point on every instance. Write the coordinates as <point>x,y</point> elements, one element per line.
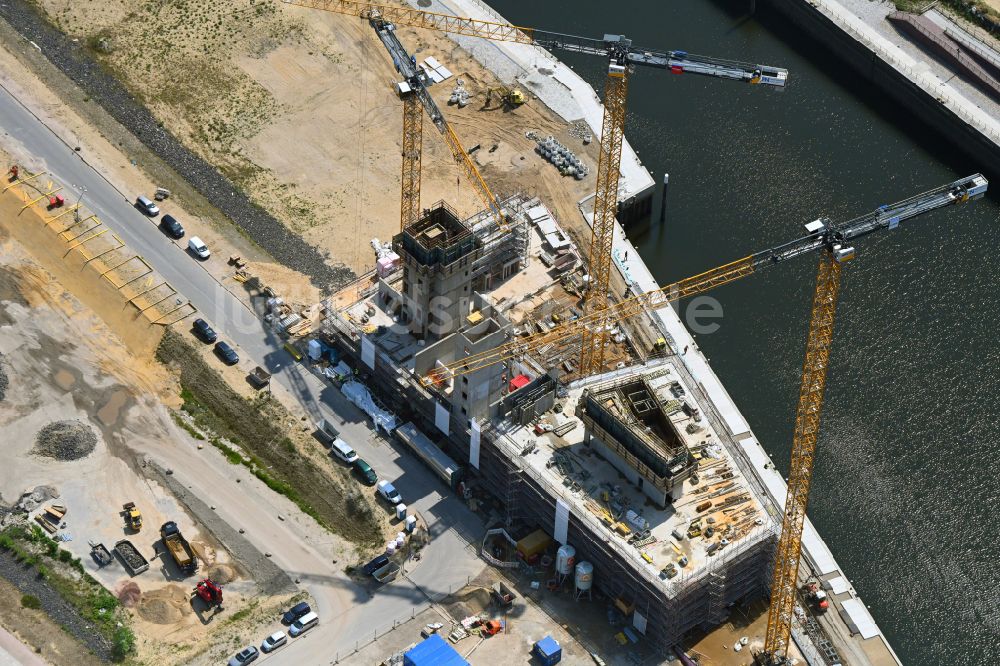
<point>509,97</point>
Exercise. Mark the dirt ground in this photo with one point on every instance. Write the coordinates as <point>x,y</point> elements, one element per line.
<point>717,647</point>
<point>39,632</point>
<point>63,362</point>
<point>298,107</point>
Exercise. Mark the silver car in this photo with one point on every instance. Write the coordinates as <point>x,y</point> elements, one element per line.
<point>274,641</point>
<point>244,656</point>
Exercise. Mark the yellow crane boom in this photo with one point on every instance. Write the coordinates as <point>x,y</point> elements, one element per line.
<point>622,55</point>
<point>414,92</point>
<point>821,233</point>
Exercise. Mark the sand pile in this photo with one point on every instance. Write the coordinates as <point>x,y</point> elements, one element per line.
<point>222,574</point>
<point>65,440</point>
<point>165,606</point>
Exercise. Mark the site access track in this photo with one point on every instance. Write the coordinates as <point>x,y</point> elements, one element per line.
<point>348,612</point>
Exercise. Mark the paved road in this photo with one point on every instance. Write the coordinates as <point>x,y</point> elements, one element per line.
<point>13,652</point>
<point>347,612</point>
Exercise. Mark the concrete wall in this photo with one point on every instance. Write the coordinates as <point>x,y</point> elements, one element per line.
<point>654,493</point>
<point>916,101</point>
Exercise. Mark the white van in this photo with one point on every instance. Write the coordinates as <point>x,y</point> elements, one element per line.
<point>389,492</point>
<point>303,624</point>
<point>198,247</point>
<point>343,450</point>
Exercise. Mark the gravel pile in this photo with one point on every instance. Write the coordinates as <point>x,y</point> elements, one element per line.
<point>70,57</point>
<point>65,440</point>
<point>32,499</point>
<point>3,380</point>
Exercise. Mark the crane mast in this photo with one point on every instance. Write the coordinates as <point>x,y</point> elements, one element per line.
<point>595,338</point>
<point>415,94</point>
<point>622,56</point>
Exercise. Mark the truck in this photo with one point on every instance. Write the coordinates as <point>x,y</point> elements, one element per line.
<point>133,517</point>
<point>131,558</point>
<point>447,469</point>
<point>179,548</point>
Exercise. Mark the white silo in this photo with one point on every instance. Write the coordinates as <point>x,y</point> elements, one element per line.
<point>584,579</point>
<point>565,559</point>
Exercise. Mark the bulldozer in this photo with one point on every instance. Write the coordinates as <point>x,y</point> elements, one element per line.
<point>210,593</point>
<point>133,517</point>
<point>509,98</point>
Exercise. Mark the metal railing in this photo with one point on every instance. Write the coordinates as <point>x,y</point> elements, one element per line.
<point>954,104</point>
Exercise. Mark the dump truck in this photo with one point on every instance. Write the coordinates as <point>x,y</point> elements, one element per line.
<point>133,517</point>
<point>130,556</point>
<point>178,547</point>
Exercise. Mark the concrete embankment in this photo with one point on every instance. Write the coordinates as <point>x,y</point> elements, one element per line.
<point>567,95</point>
<point>907,80</point>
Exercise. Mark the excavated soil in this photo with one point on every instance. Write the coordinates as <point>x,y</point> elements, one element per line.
<point>222,574</point>
<point>129,594</point>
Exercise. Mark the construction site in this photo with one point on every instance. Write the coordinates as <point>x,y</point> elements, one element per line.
<point>503,355</point>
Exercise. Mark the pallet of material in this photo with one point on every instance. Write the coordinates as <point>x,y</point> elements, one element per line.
<point>45,523</point>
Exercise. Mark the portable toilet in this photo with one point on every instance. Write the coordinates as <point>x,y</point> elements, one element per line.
<point>548,651</point>
<point>411,523</point>
<point>400,511</point>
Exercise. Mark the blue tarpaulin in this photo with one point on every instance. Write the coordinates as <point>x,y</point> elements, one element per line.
<point>434,651</point>
<point>548,651</point>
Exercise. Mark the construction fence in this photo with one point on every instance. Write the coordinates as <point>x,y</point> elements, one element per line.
<point>85,237</point>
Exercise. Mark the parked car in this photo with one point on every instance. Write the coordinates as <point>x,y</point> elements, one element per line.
<point>170,225</point>
<point>274,641</point>
<point>244,656</point>
<point>226,353</point>
<point>375,565</point>
<point>343,450</point>
<point>146,206</point>
<point>204,332</point>
<point>295,612</point>
<point>303,624</point>
<point>198,248</point>
<point>365,471</point>
<point>389,492</point>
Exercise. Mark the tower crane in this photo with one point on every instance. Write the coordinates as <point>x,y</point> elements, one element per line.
<point>414,93</point>
<point>622,57</point>
<point>832,242</point>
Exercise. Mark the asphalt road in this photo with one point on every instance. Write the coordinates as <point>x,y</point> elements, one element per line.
<point>348,614</point>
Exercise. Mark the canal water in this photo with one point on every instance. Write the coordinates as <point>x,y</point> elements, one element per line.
<point>906,489</point>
